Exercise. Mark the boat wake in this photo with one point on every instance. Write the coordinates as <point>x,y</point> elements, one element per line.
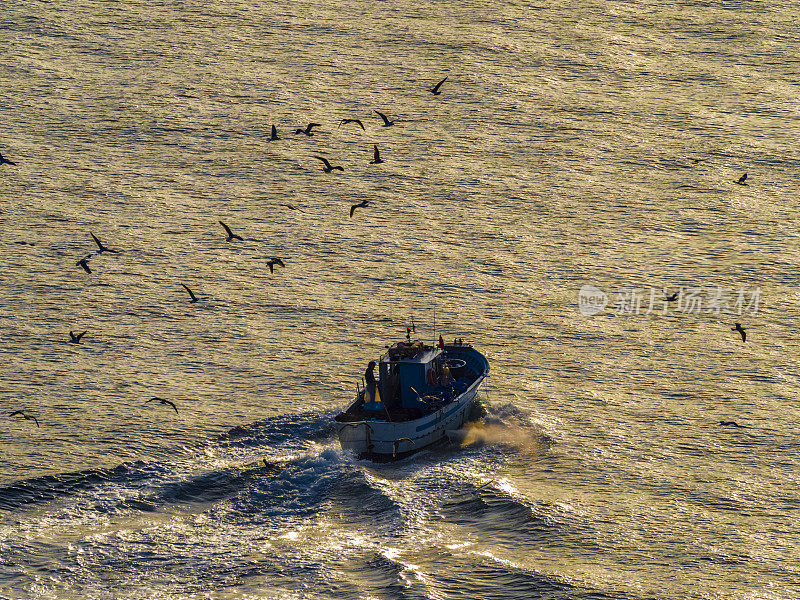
<point>276,509</point>
<point>503,426</point>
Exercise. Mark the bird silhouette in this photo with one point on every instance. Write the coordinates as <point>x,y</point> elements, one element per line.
<point>76,339</point>
<point>24,416</point>
<point>100,246</point>
<point>274,261</point>
<point>376,160</point>
<point>356,121</point>
<point>292,207</point>
<point>328,168</point>
<point>435,89</point>
<point>730,424</point>
<point>5,161</point>
<point>84,262</point>
<point>741,330</point>
<point>361,204</point>
<point>231,236</point>
<point>191,294</point>
<point>741,180</point>
<point>274,134</point>
<point>164,402</point>
<point>307,130</point>
<point>673,297</point>
<point>386,121</point>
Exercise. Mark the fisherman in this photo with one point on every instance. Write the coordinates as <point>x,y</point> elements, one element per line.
<point>446,378</point>
<point>372,384</point>
<point>392,388</point>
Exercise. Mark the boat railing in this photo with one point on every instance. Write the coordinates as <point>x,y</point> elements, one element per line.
<point>396,445</point>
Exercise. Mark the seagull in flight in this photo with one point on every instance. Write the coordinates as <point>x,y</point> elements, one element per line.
<point>731,424</point>
<point>231,236</point>
<point>435,89</point>
<point>361,204</point>
<point>84,262</point>
<point>274,261</point>
<point>292,207</point>
<point>386,121</point>
<point>165,402</point>
<point>376,160</point>
<point>356,121</point>
<point>741,330</point>
<point>328,168</point>
<point>274,135</point>
<point>673,297</point>
<point>76,339</point>
<point>194,298</point>
<point>100,245</point>
<point>741,180</point>
<point>5,161</point>
<point>307,130</point>
<point>24,416</point>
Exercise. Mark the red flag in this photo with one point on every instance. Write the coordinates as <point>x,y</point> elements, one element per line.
<point>441,343</point>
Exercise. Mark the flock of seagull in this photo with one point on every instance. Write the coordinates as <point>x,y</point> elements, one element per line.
<point>75,338</point>
<point>277,261</point>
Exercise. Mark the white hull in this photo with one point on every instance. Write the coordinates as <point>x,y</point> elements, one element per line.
<point>391,440</point>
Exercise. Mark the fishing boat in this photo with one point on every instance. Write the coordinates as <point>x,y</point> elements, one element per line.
<point>421,392</point>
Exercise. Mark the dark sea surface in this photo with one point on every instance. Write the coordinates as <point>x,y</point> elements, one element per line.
<point>573,144</point>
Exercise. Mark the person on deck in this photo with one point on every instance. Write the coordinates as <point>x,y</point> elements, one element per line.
<point>372,383</point>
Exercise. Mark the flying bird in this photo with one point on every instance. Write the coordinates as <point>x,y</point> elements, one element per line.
<point>731,424</point>
<point>5,161</point>
<point>274,261</point>
<point>307,130</point>
<point>740,330</point>
<point>376,160</point>
<point>673,297</point>
<point>76,339</point>
<point>328,168</point>
<point>231,236</point>
<point>361,204</point>
<point>165,403</point>
<point>194,298</point>
<point>24,416</point>
<point>435,89</point>
<point>100,245</point>
<point>386,121</point>
<point>84,262</point>
<point>356,121</point>
<point>274,135</point>
<point>741,180</point>
<point>292,207</point>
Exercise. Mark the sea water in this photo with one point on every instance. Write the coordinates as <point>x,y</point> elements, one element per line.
<point>578,166</point>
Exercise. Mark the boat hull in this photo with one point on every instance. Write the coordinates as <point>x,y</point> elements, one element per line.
<point>382,440</point>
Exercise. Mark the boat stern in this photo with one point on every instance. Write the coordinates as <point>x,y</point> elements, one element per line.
<point>355,436</point>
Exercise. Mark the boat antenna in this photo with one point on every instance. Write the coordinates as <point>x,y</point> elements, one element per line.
<point>434,324</point>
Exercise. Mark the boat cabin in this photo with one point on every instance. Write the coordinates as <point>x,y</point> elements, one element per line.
<point>409,372</point>
<point>414,380</point>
